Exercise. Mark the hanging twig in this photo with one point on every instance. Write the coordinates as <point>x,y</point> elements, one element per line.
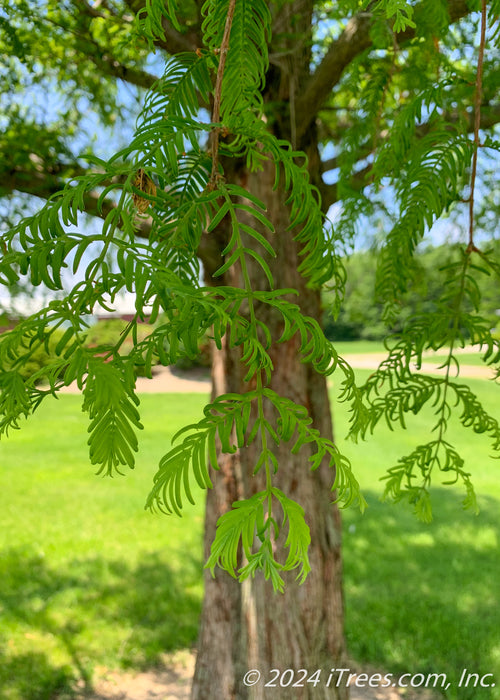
<point>218,90</point>
<point>477,120</point>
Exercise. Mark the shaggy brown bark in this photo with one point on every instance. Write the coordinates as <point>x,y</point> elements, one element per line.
<point>248,626</point>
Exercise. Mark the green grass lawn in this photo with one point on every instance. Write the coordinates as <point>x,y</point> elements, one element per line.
<point>357,347</point>
<point>465,358</point>
<point>425,598</point>
<point>87,576</point>
<point>89,579</point>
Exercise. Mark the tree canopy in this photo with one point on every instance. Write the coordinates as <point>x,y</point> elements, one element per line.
<point>401,100</point>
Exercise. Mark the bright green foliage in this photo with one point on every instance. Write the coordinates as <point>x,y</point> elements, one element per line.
<point>109,401</point>
<point>150,18</point>
<point>423,101</point>
<point>229,416</point>
<point>246,60</point>
<point>248,518</point>
<point>230,421</point>
<point>41,357</point>
<point>398,10</point>
<point>177,93</point>
<point>395,389</point>
<point>361,318</point>
<point>433,176</point>
<point>166,173</point>
<point>165,273</point>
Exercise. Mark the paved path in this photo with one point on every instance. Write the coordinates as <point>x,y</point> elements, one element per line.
<point>167,380</point>
<point>429,365</point>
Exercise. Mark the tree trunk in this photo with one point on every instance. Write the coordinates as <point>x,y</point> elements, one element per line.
<point>248,626</point>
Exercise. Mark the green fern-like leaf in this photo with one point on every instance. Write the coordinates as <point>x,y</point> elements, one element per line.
<point>237,525</point>
<point>299,537</point>
<point>111,404</point>
<point>149,20</point>
<point>434,177</point>
<point>247,60</point>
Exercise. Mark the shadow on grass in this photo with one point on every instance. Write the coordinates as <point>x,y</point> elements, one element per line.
<point>425,598</point>
<point>58,623</point>
<point>420,599</point>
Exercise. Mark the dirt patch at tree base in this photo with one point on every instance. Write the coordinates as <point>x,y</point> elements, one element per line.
<point>173,682</point>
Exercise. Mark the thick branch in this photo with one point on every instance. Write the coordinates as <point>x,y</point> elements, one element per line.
<point>489,117</point>
<point>351,43</point>
<point>175,41</point>
<point>329,193</point>
<point>37,182</point>
<point>111,67</point>
<point>88,9</point>
<point>108,65</point>
<point>44,184</point>
<point>85,44</point>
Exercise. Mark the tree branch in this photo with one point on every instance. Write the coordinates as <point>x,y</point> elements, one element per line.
<point>86,45</point>
<point>489,117</point>
<point>111,66</point>
<point>351,43</point>
<point>175,41</point>
<point>88,9</point>
<point>44,184</point>
<point>329,193</point>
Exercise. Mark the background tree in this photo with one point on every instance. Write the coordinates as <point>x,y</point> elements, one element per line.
<point>388,94</point>
<point>362,319</point>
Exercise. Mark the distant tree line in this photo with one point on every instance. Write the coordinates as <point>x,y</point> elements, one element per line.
<point>361,317</point>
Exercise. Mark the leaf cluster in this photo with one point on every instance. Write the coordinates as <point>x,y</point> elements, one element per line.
<point>396,389</point>
<point>233,422</point>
